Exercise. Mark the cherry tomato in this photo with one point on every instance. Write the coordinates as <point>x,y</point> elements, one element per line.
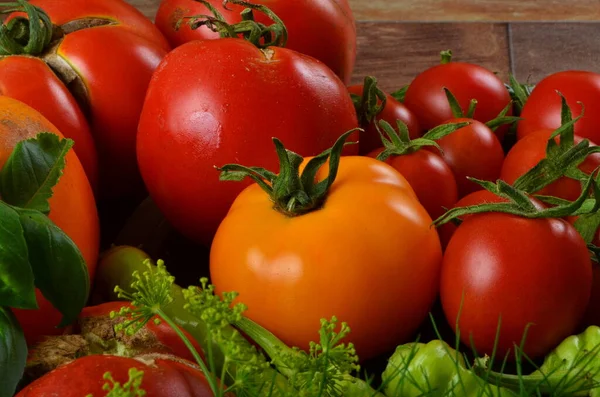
<point>72,207</point>
<point>530,150</point>
<point>323,29</point>
<point>215,102</point>
<point>426,97</point>
<point>429,176</point>
<point>518,270</point>
<point>369,139</point>
<point>371,231</point>
<point>543,107</point>
<point>472,151</point>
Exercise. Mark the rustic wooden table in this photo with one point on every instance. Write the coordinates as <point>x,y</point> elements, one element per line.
<point>529,38</point>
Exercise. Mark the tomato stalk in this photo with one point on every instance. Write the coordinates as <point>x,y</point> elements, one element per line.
<point>399,143</point>
<point>446,56</point>
<point>292,192</point>
<point>29,35</point>
<point>257,33</point>
<point>371,103</point>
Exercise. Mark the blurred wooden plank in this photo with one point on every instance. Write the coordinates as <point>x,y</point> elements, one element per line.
<point>540,49</point>
<point>147,7</point>
<point>396,52</point>
<point>476,10</point>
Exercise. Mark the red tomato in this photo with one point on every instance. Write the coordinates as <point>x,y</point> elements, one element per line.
<point>522,270</point>
<point>121,12</point>
<point>215,102</point>
<point>110,93</point>
<point>426,97</point>
<point>316,265</point>
<point>369,139</point>
<point>323,29</point>
<point>429,176</point>
<point>164,376</point>
<point>478,197</point>
<point>543,107</point>
<point>530,150</point>
<point>31,81</point>
<point>472,151</point>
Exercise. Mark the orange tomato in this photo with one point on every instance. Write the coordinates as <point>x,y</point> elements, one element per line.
<point>369,256</point>
<point>72,206</point>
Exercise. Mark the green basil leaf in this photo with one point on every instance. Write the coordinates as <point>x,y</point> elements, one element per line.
<point>58,267</point>
<point>32,170</point>
<point>16,277</point>
<point>13,352</point>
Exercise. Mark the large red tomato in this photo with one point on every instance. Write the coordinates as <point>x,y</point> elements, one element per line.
<point>472,151</point>
<point>394,110</point>
<point>214,102</point>
<point>293,271</point>
<point>530,150</point>
<point>323,29</point>
<point>105,53</point>
<point>518,270</point>
<point>426,97</point>
<point>543,107</point>
<point>164,376</point>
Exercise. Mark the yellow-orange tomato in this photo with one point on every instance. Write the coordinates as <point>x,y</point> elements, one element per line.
<point>72,206</point>
<point>368,256</point>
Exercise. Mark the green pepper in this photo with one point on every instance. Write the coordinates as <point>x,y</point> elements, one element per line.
<point>434,369</point>
<point>571,369</point>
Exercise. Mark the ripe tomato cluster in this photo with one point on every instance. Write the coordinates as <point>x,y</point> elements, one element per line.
<point>316,198</point>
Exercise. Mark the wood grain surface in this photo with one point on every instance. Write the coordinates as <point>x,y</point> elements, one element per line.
<point>531,39</point>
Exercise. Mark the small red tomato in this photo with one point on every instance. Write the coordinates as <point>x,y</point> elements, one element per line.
<point>502,267</point>
<point>543,107</point>
<point>530,150</point>
<point>426,97</point>
<point>394,110</point>
<point>429,176</point>
<point>472,151</point>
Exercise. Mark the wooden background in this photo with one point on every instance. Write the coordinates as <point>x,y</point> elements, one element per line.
<point>399,38</point>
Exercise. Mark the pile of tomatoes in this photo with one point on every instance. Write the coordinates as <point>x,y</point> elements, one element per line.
<point>154,108</point>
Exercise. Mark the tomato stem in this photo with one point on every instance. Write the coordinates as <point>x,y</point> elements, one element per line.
<point>21,35</point>
<point>293,193</point>
<point>371,103</point>
<point>446,56</point>
<point>257,33</point>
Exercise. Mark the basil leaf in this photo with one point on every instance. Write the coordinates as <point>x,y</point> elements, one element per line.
<point>58,267</point>
<point>32,170</point>
<point>16,278</point>
<point>13,352</point>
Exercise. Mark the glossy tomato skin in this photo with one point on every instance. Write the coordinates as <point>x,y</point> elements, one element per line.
<point>32,82</point>
<point>429,176</point>
<point>394,110</point>
<point>530,150</point>
<point>426,97</point>
<point>501,261</point>
<point>318,265</point>
<point>323,29</point>
<point>116,91</point>
<point>72,207</point>
<point>164,376</point>
<point>119,11</point>
<point>543,107</point>
<point>216,102</point>
<point>472,151</point>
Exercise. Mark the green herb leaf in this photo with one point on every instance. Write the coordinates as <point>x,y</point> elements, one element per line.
<point>32,170</point>
<point>59,268</point>
<point>16,278</point>
<point>13,352</point>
